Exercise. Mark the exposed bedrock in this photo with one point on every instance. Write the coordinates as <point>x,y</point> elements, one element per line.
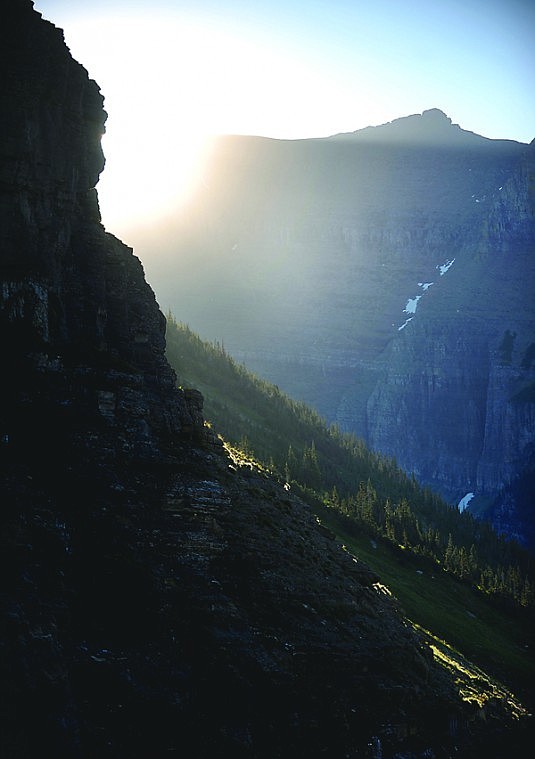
<point>387,277</point>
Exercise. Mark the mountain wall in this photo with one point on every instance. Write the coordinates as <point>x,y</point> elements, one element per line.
<point>386,277</point>
<point>76,313</point>
<point>158,598</point>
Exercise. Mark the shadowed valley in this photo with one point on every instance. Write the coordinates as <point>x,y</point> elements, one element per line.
<point>159,596</point>
<point>385,277</point>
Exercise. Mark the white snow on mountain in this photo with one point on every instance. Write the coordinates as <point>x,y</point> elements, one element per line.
<point>443,268</point>
<point>463,503</point>
<point>405,323</point>
<point>412,303</point>
<point>410,308</point>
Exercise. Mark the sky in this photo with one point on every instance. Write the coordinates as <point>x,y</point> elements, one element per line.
<point>173,73</point>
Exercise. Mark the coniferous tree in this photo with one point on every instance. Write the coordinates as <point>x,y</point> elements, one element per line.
<point>294,442</point>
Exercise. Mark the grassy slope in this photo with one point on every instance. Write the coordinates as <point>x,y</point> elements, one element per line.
<point>498,639</point>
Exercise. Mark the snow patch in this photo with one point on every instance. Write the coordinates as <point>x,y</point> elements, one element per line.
<point>463,503</point>
<point>412,303</point>
<point>443,268</point>
<point>410,308</point>
<point>405,323</point>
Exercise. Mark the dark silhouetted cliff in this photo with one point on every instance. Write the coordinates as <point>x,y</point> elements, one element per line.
<point>157,599</point>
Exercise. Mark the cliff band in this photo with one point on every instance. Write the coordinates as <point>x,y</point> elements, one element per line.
<point>157,599</point>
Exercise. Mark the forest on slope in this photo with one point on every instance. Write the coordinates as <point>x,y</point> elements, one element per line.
<point>369,501</point>
<point>295,443</point>
<point>156,599</point>
<point>375,276</point>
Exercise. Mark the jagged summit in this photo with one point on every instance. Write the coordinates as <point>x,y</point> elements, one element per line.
<point>355,252</point>
<point>431,127</point>
<point>156,599</point>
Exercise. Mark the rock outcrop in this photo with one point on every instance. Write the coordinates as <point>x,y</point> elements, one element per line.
<point>158,599</point>
<point>380,276</point>
<point>74,307</point>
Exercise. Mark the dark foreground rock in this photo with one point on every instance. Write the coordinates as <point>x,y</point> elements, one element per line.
<point>158,599</point>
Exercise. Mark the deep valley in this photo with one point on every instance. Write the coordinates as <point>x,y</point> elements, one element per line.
<point>228,575</point>
<point>387,278</point>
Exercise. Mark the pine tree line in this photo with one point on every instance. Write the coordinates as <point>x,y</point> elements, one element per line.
<point>399,524</point>
<point>296,444</point>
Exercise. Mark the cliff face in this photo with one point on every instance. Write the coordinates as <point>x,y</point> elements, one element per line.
<point>455,403</point>
<point>158,598</point>
<point>386,277</point>
<point>74,305</point>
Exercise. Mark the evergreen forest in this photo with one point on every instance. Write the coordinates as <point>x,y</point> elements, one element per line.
<point>336,473</point>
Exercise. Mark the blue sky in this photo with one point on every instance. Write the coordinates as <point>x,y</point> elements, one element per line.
<point>173,72</point>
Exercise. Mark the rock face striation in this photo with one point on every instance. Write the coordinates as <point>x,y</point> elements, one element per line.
<point>387,277</point>
<point>74,307</point>
<point>158,599</point>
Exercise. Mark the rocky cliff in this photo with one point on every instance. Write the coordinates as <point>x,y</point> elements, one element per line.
<point>387,278</point>
<point>456,394</point>
<point>158,598</point>
<point>79,320</point>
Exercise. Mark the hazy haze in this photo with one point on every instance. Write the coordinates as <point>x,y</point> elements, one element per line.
<point>175,72</point>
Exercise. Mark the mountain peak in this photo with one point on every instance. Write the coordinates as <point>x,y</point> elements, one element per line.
<point>435,116</point>
<point>435,113</point>
<point>431,127</point>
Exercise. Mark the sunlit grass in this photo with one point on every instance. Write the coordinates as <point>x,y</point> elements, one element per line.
<point>491,632</point>
<point>428,599</point>
<point>473,684</point>
<point>241,458</point>
<point>445,609</point>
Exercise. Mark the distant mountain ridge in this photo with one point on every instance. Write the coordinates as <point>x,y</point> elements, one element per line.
<point>375,275</point>
<point>157,596</point>
<point>431,127</point>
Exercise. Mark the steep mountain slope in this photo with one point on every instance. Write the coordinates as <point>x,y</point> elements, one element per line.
<point>446,567</point>
<point>377,276</point>
<point>156,598</point>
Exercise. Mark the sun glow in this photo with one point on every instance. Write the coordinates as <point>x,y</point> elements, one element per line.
<point>155,84</point>
<point>174,72</point>
<point>168,88</point>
